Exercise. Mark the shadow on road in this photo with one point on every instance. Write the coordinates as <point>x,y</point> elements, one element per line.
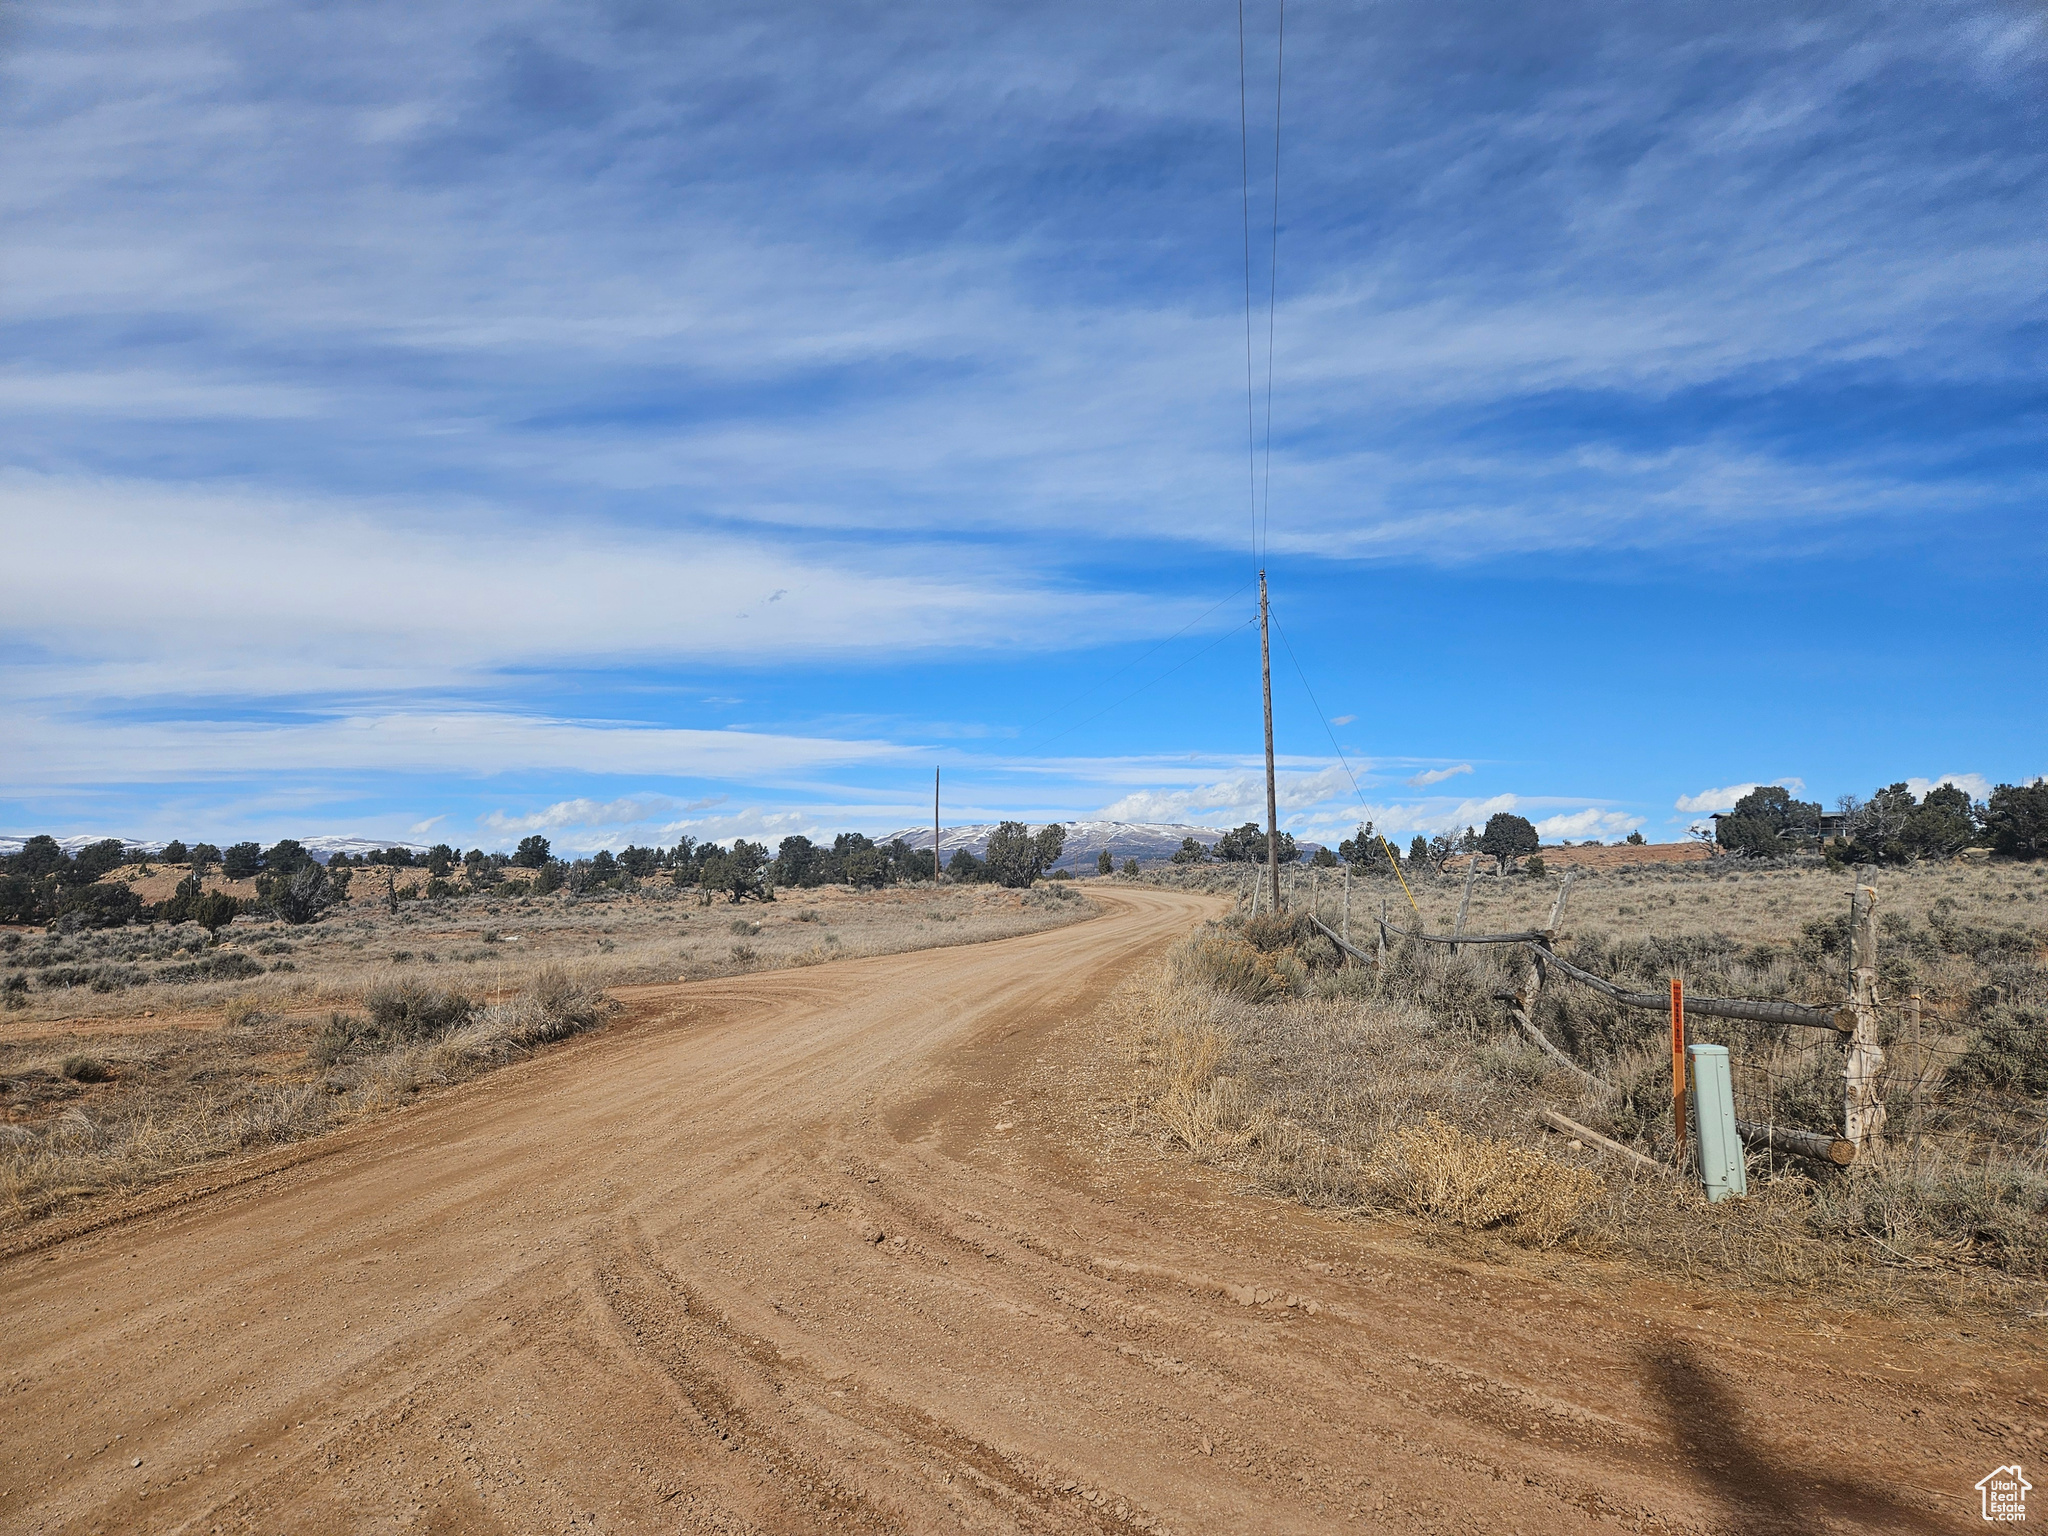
<point>1763,1496</point>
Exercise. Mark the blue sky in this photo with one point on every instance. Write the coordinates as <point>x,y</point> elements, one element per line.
<point>622,421</point>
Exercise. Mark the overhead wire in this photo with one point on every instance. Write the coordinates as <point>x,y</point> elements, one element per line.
<point>1272,283</point>
<point>1244,146</point>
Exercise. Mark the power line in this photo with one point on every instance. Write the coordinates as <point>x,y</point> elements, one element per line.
<point>1273,280</point>
<point>1244,148</point>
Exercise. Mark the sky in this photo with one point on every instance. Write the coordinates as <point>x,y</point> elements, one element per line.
<point>622,422</point>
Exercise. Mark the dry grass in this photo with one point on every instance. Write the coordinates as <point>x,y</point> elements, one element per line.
<point>1411,1093</point>
<point>192,1101</point>
<point>314,1026</point>
<point>1483,1182</point>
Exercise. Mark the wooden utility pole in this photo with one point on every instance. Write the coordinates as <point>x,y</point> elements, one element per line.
<point>935,826</point>
<point>1862,1109</point>
<point>1272,799</point>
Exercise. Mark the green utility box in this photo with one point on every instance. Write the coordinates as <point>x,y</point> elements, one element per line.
<point>1722,1169</point>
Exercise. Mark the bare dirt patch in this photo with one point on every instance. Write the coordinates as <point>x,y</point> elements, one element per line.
<point>192,1068</point>
<point>870,1247</point>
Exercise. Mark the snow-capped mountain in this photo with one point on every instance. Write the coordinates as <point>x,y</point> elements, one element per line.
<point>82,840</point>
<point>325,848</point>
<point>322,848</point>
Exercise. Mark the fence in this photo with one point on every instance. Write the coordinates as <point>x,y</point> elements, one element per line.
<point>1860,1080</point>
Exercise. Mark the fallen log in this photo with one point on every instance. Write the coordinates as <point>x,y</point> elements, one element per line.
<point>1558,1122</point>
<point>1543,1044</point>
<point>1835,1151</point>
<point>1839,1019</point>
<point>1532,936</point>
<point>1356,954</point>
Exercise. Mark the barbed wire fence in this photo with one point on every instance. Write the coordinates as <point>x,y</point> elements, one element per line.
<point>1866,1081</point>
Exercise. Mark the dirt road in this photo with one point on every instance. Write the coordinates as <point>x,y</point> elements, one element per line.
<point>845,1249</point>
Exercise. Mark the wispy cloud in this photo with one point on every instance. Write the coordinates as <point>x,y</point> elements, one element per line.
<point>580,813</point>
<point>449,391</point>
<point>59,751</point>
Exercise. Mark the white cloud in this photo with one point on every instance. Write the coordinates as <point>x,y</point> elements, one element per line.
<point>1590,822</point>
<point>1975,785</point>
<point>335,594</point>
<point>58,750</point>
<point>633,811</point>
<point>1342,719</point>
<point>1237,799</point>
<point>1724,798</point>
<point>1431,776</point>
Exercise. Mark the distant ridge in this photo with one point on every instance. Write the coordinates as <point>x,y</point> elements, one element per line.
<point>322,848</point>
<point>1145,841</point>
<point>9,844</point>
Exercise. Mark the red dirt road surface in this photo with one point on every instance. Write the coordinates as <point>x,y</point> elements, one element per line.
<point>847,1249</point>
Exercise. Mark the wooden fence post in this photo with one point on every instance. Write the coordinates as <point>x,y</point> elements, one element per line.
<point>1677,1069</point>
<point>1919,1071</point>
<point>1465,905</point>
<point>1347,903</point>
<point>1557,907</point>
<point>1862,1109</point>
<point>1534,974</point>
<point>1383,935</point>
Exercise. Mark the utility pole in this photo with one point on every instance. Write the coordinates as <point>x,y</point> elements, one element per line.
<point>1272,800</point>
<point>935,826</point>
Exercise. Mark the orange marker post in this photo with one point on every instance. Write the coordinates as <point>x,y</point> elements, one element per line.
<point>1677,1067</point>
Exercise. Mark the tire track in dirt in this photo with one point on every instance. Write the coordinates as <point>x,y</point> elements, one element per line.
<point>843,1249</point>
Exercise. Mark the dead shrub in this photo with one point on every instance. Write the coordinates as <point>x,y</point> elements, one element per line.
<point>1436,1170</point>
<point>411,1010</point>
<point>340,1035</point>
<point>1272,931</point>
<point>1206,1112</point>
<point>243,1013</point>
<point>568,1003</point>
<point>87,1069</point>
<point>1234,967</point>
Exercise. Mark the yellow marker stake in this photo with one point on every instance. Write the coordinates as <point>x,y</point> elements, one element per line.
<point>1395,859</point>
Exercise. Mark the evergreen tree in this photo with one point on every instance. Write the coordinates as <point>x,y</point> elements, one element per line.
<point>2016,817</point>
<point>1509,837</point>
